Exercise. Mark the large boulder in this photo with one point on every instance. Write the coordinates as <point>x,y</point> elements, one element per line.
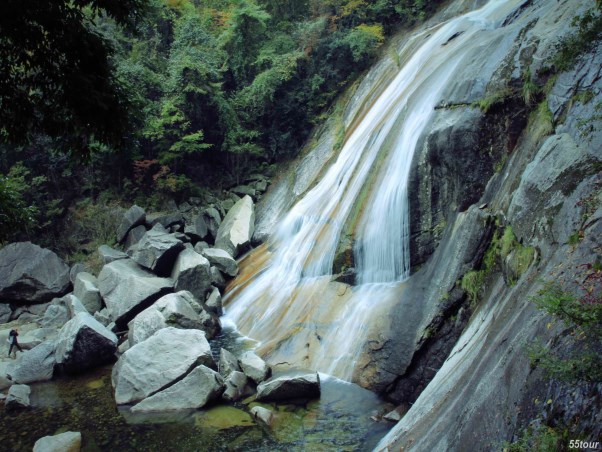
<point>84,343</point>
<point>56,316</point>
<point>165,219</point>
<point>197,388</point>
<point>192,272</point>
<point>235,233</point>
<point>285,387</point>
<point>36,364</point>
<point>198,230</point>
<point>17,398</point>
<point>178,310</point>
<point>63,442</point>
<point>5,312</point>
<point>254,367</point>
<point>236,386</point>
<point>214,302</point>
<point>157,251</point>
<point>222,260</point>
<point>212,220</point>
<point>133,217</point>
<point>108,254</point>
<point>262,415</point>
<point>134,236</point>
<point>227,363</point>
<point>128,289</point>
<point>86,289</point>
<point>217,278</point>
<point>31,274</point>
<point>163,358</point>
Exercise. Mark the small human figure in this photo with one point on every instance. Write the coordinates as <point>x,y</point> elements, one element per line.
<point>14,342</point>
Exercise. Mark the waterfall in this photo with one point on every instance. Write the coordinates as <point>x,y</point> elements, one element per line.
<point>284,297</point>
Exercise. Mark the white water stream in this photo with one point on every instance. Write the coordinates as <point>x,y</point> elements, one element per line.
<point>288,303</point>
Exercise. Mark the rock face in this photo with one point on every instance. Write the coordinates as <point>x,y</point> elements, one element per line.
<point>192,272</point>
<point>254,367</point>
<point>127,289</point>
<point>133,217</point>
<point>306,386</point>
<point>63,442</point>
<point>236,231</point>
<point>31,274</point>
<point>17,398</point>
<point>157,251</point>
<point>154,364</point>
<point>134,236</point>
<point>84,343</point>
<point>222,260</point>
<point>34,365</point>
<point>86,289</point>
<point>197,388</point>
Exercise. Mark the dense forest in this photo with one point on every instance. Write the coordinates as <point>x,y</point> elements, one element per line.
<point>153,100</point>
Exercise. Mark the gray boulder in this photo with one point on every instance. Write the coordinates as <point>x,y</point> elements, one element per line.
<point>198,230</point>
<point>213,220</point>
<point>197,388</point>
<point>192,272</point>
<point>108,254</point>
<point>34,365</point>
<point>86,289</point>
<point>134,236</point>
<point>103,316</point>
<point>222,260</point>
<point>31,274</point>
<point>214,302</point>
<point>128,289</point>
<point>217,278</point>
<point>133,217</point>
<point>76,269</point>
<point>254,367</point>
<point>235,233</point>
<point>17,398</point>
<point>236,386</point>
<point>157,251</point>
<point>306,386</point>
<point>73,304</point>
<point>262,415</point>
<point>32,338</point>
<point>84,343</point>
<point>227,363</point>
<point>56,316</point>
<point>157,362</point>
<point>5,312</point>
<point>244,190</point>
<point>178,310</point>
<point>63,442</point>
<point>201,246</point>
<point>165,219</point>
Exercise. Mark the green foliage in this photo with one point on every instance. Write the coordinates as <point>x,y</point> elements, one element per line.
<point>472,282</point>
<point>588,32</point>
<point>493,100</point>
<point>538,439</point>
<point>56,77</point>
<point>530,89</point>
<point>15,214</point>
<point>541,119</point>
<point>583,314</point>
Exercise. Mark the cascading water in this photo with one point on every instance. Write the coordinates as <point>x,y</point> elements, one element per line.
<point>284,298</point>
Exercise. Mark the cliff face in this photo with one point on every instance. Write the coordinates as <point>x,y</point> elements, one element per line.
<point>479,174</point>
<point>498,159</point>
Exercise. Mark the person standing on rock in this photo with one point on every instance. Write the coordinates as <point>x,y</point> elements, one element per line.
<point>12,339</point>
